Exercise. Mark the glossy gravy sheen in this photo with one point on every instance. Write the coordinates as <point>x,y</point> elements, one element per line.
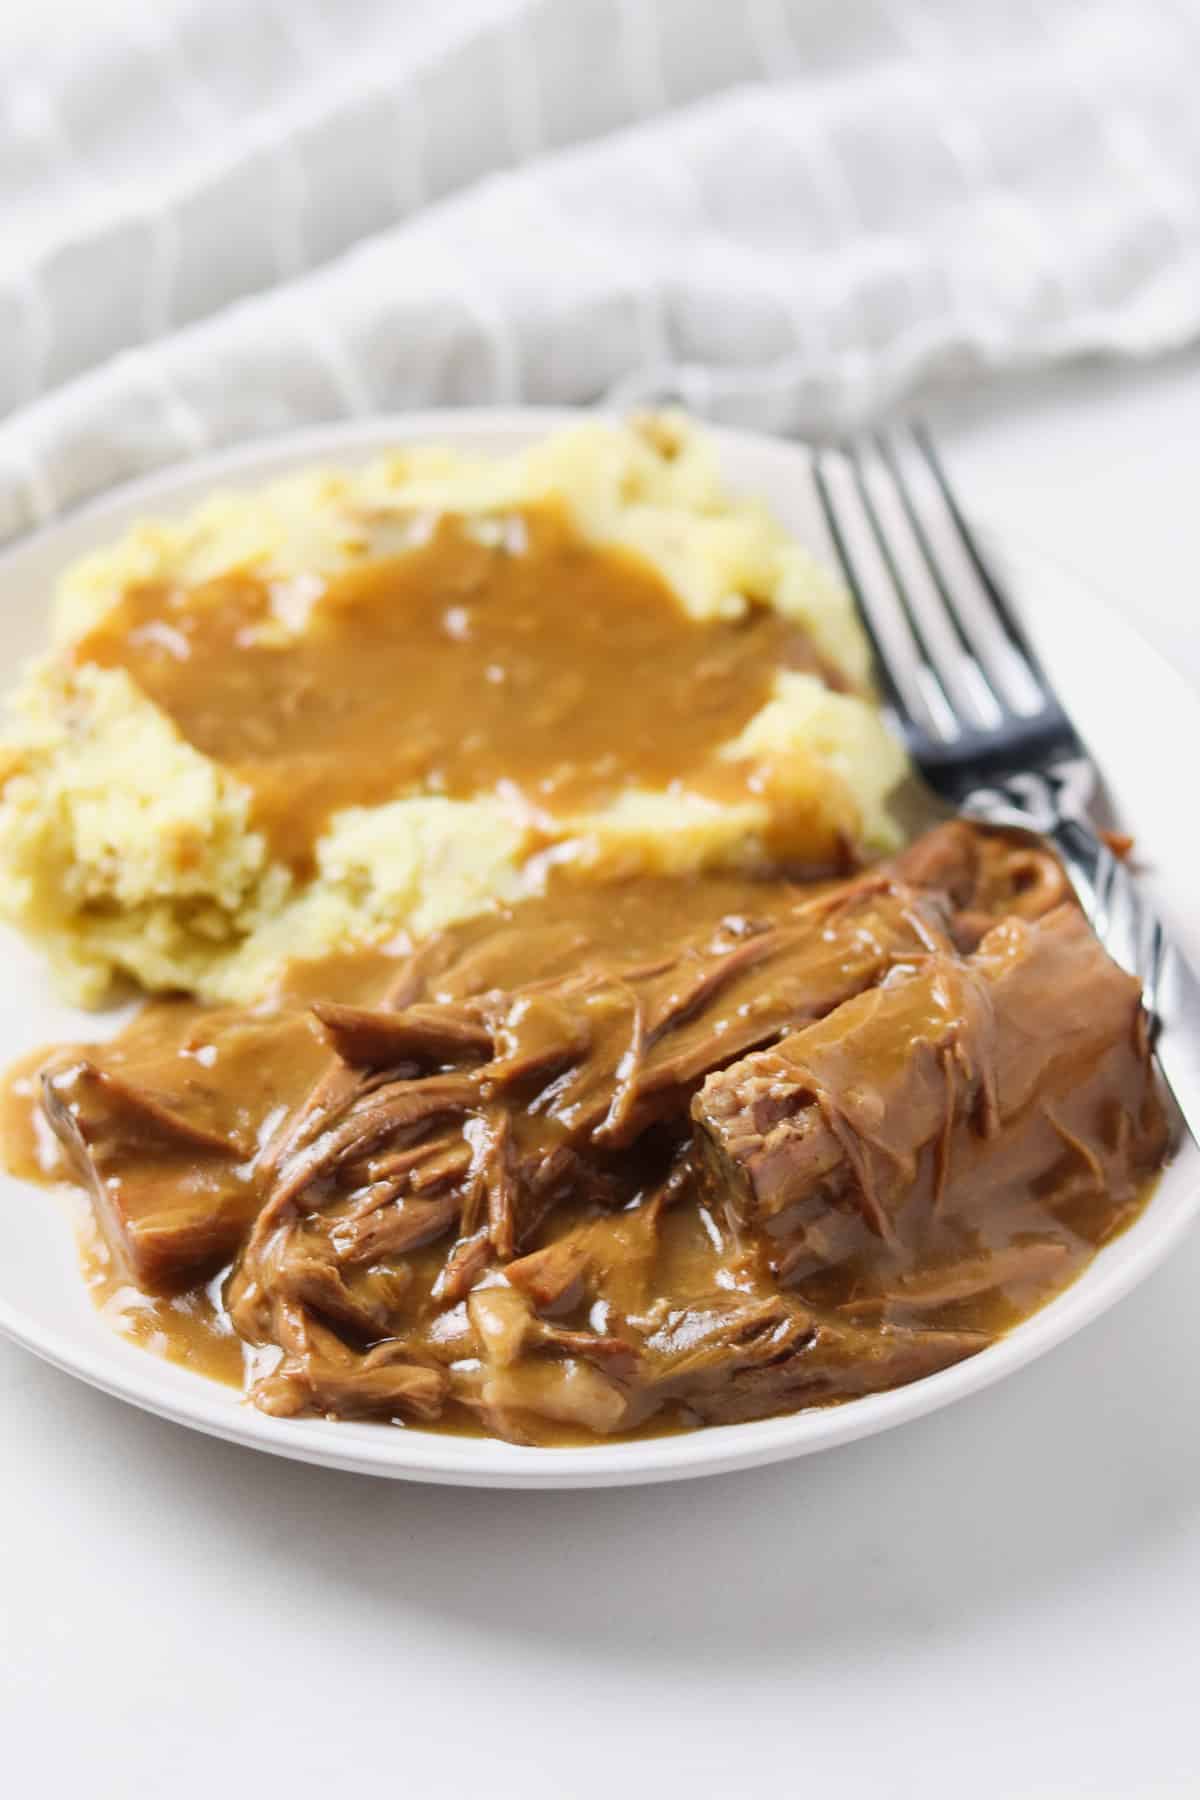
<point>565,671</point>
<point>238,1079</point>
<point>236,1072</point>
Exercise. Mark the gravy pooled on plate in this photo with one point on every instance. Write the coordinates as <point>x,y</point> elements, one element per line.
<point>628,1159</point>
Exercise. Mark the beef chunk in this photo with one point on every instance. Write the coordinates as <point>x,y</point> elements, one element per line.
<point>735,1361</point>
<point>163,1128</point>
<point>371,1037</point>
<point>172,1195</point>
<point>957,1085</point>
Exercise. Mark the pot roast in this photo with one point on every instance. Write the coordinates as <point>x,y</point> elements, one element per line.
<point>642,1157</point>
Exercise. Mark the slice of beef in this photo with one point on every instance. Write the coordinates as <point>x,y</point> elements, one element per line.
<point>163,1127</point>
<point>735,1360</point>
<point>171,1195</point>
<point>427,1036</point>
<point>958,1085</point>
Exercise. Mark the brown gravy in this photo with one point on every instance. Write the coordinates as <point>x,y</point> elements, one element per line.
<point>564,670</point>
<point>239,1079</point>
<point>231,1074</point>
<point>235,1078</point>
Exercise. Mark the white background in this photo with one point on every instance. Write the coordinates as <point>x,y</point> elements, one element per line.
<point>999,1600</point>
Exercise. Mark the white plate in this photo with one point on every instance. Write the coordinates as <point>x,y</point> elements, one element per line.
<point>1144,725</point>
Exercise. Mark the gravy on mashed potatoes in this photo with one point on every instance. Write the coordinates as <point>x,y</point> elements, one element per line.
<point>363,702</point>
<point>538,665</point>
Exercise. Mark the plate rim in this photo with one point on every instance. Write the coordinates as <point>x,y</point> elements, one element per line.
<point>184,1397</point>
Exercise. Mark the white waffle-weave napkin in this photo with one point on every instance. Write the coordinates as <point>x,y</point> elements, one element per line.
<point>223,218</point>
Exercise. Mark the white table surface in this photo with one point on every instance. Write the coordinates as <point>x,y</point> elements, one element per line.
<point>1000,1600</point>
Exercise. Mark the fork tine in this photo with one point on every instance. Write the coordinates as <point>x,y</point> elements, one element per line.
<point>933,681</point>
<point>992,590</point>
<point>883,671</point>
<point>984,692</point>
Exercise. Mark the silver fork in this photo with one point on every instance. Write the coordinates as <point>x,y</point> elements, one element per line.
<point>979,716</point>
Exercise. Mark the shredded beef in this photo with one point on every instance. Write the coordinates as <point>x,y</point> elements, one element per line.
<point>805,1149</point>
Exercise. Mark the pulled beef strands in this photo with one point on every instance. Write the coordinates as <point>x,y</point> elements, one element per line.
<point>318,1372</point>
<point>956,1086</point>
<point>579,1066</point>
<point>173,1214</point>
<point>490,1192</point>
<point>723,1358</point>
<point>984,876</point>
<point>339,1080</point>
<point>580,1069</point>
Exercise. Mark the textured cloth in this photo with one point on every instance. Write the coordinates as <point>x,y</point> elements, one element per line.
<point>226,218</point>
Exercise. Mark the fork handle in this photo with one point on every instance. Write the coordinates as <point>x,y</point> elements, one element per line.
<point>1121,916</point>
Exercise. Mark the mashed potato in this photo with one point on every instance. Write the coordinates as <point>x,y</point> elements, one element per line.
<point>124,851</point>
